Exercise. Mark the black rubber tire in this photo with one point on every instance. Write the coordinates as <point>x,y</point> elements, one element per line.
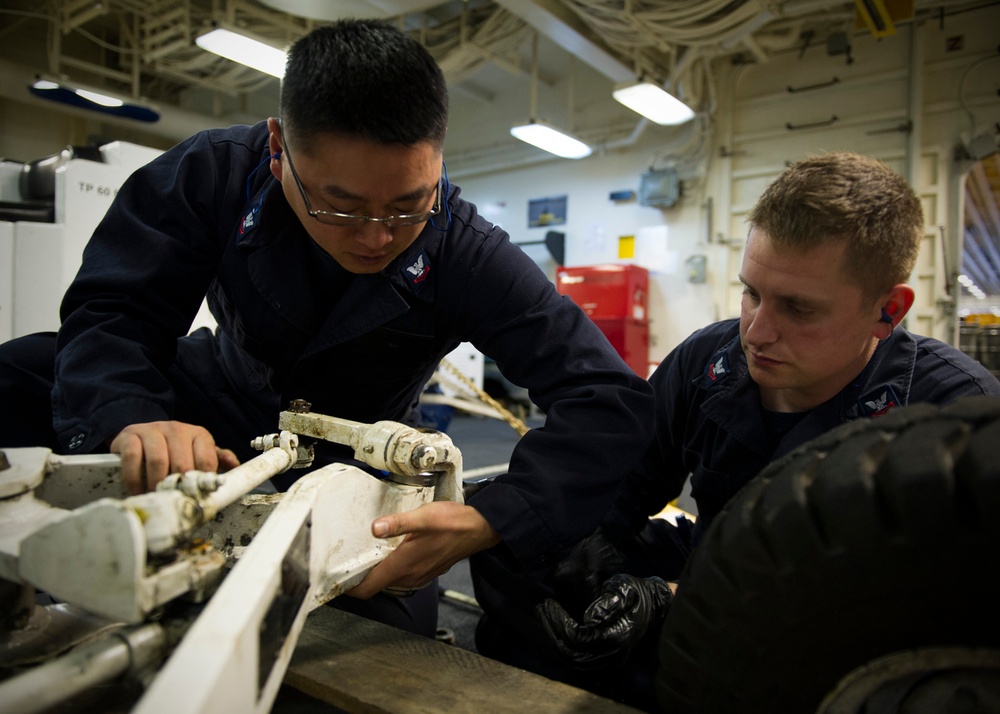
<point>881,536</point>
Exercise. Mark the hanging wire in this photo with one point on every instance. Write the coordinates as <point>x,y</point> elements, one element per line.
<point>533,100</point>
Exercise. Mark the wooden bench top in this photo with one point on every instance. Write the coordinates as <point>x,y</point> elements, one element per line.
<point>365,667</point>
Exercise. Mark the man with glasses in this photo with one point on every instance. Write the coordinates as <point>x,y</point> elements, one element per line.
<point>342,279</point>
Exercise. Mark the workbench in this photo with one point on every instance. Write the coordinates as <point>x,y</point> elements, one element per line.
<point>365,667</point>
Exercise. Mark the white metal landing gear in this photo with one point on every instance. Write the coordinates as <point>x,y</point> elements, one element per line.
<point>198,588</point>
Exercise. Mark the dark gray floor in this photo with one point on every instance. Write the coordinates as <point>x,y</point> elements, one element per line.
<point>483,442</point>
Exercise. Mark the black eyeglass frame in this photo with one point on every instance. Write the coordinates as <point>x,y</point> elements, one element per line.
<point>345,220</point>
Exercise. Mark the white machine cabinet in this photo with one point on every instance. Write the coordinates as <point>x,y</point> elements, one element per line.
<point>38,261</point>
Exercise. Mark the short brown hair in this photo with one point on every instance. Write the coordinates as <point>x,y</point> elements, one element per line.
<point>846,196</point>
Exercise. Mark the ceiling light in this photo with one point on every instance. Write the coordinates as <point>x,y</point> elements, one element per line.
<point>91,99</point>
<point>239,47</point>
<point>654,103</point>
<point>551,140</point>
<point>540,134</point>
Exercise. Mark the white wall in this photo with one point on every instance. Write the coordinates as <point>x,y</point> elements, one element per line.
<point>914,76</point>
<point>665,238</point>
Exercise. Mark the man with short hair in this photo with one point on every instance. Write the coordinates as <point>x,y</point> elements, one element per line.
<point>818,343</point>
<point>341,267</point>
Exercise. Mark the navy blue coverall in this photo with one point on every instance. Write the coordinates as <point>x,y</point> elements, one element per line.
<point>710,427</point>
<point>208,218</point>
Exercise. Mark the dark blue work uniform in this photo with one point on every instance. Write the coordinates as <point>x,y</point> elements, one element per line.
<point>710,426</point>
<point>208,218</point>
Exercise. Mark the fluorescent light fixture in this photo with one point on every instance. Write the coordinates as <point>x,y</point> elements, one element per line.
<point>654,103</point>
<point>97,98</point>
<point>238,47</point>
<point>92,100</point>
<point>970,285</point>
<point>548,139</point>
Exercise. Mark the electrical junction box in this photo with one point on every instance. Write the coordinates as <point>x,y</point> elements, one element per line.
<point>696,267</point>
<point>659,188</point>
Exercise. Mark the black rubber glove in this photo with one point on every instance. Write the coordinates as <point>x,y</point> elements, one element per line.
<point>578,579</point>
<point>626,610</point>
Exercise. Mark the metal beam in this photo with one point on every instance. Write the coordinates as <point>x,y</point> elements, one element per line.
<point>560,25</point>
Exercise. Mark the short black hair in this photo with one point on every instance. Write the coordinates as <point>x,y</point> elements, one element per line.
<point>364,78</point>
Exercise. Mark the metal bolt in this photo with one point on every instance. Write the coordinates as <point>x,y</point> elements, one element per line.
<point>423,456</point>
<point>209,481</point>
<point>299,406</point>
<point>262,443</point>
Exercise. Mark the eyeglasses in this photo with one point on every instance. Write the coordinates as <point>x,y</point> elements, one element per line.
<point>335,218</point>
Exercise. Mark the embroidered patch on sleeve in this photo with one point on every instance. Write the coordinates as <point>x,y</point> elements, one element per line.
<point>250,220</point>
<point>418,271</point>
<point>716,370</point>
<point>878,401</point>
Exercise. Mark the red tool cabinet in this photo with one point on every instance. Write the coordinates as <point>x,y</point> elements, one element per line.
<point>616,298</point>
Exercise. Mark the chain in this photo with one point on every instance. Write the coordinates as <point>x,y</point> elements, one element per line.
<point>519,426</point>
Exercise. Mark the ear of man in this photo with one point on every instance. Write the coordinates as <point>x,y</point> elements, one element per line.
<point>274,144</point>
<point>893,308</point>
